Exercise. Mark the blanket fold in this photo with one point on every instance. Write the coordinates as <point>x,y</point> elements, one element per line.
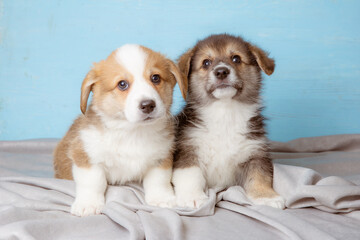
<point>319,206</point>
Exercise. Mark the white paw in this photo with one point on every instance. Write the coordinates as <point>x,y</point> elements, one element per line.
<point>191,200</point>
<point>275,202</point>
<point>87,207</point>
<point>164,199</point>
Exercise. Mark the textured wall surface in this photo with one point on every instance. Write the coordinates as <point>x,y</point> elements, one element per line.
<point>47,47</point>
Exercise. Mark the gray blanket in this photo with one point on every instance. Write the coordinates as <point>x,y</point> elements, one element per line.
<point>321,204</point>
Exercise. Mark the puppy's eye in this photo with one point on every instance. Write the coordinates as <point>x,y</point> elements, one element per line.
<point>236,59</point>
<point>206,63</point>
<point>155,78</point>
<point>123,85</point>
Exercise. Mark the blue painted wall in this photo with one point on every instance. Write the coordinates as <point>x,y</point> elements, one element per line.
<point>47,47</point>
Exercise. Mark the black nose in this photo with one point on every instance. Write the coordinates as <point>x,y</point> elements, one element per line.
<point>147,106</point>
<point>221,72</point>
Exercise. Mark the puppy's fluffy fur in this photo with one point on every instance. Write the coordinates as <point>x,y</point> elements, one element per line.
<point>221,138</point>
<point>126,134</point>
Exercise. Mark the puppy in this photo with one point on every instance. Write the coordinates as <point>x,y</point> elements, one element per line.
<point>126,134</point>
<point>220,138</point>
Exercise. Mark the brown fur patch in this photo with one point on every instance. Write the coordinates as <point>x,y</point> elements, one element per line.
<point>169,73</point>
<point>260,189</point>
<point>70,146</point>
<point>257,126</point>
<point>265,63</point>
<point>184,155</point>
<point>77,153</point>
<point>62,163</point>
<point>107,97</point>
<point>86,88</point>
<point>103,80</point>
<point>257,175</point>
<point>167,163</point>
<point>184,63</point>
<point>157,64</point>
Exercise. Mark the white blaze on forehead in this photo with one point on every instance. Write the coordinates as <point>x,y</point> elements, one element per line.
<point>133,58</point>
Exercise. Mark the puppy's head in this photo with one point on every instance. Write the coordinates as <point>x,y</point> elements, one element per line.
<point>223,66</point>
<point>134,83</point>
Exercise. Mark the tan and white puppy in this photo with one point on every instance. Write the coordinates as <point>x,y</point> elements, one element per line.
<point>126,134</point>
<point>221,139</point>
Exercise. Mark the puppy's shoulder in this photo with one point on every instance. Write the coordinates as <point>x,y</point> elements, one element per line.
<point>82,122</point>
<point>187,118</point>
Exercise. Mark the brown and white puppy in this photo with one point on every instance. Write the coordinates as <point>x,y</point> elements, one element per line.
<point>126,134</point>
<point>221,138</point>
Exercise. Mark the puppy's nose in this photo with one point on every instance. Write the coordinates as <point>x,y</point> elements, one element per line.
<point>147,106</point>
<point>221,72</point>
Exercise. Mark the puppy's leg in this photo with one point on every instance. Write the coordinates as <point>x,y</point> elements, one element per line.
<point>257,181</point>
<point>90,188</point>
<point>157,185</point>
<point>189,184</point>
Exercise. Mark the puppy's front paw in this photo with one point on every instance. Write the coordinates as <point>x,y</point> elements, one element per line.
<point>192,200</point>
<point>87,207</point>
<point>163,199</point>
<point>275,202</point>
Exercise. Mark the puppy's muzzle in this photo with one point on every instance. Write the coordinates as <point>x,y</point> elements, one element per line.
<point>147,106</point>
<point>221,73</point>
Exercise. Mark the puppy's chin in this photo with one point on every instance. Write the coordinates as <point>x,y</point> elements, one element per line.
<point>224,93</point>
<point>146,119</point>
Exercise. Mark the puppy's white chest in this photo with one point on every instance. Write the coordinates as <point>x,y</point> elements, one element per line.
<point>125,157</point>
<point>221,141</point>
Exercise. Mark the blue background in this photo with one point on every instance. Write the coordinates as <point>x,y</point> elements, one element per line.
<point>47,47</point>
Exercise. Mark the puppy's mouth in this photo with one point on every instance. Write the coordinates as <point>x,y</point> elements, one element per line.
<point>148,119</point>
<point>224,89</point>
<point>224,86</point>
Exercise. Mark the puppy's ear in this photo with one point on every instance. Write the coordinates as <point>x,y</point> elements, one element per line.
<point>180,78</point>
<point>265,63</point>
<point>184,62</point>
<point>86,88</point>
